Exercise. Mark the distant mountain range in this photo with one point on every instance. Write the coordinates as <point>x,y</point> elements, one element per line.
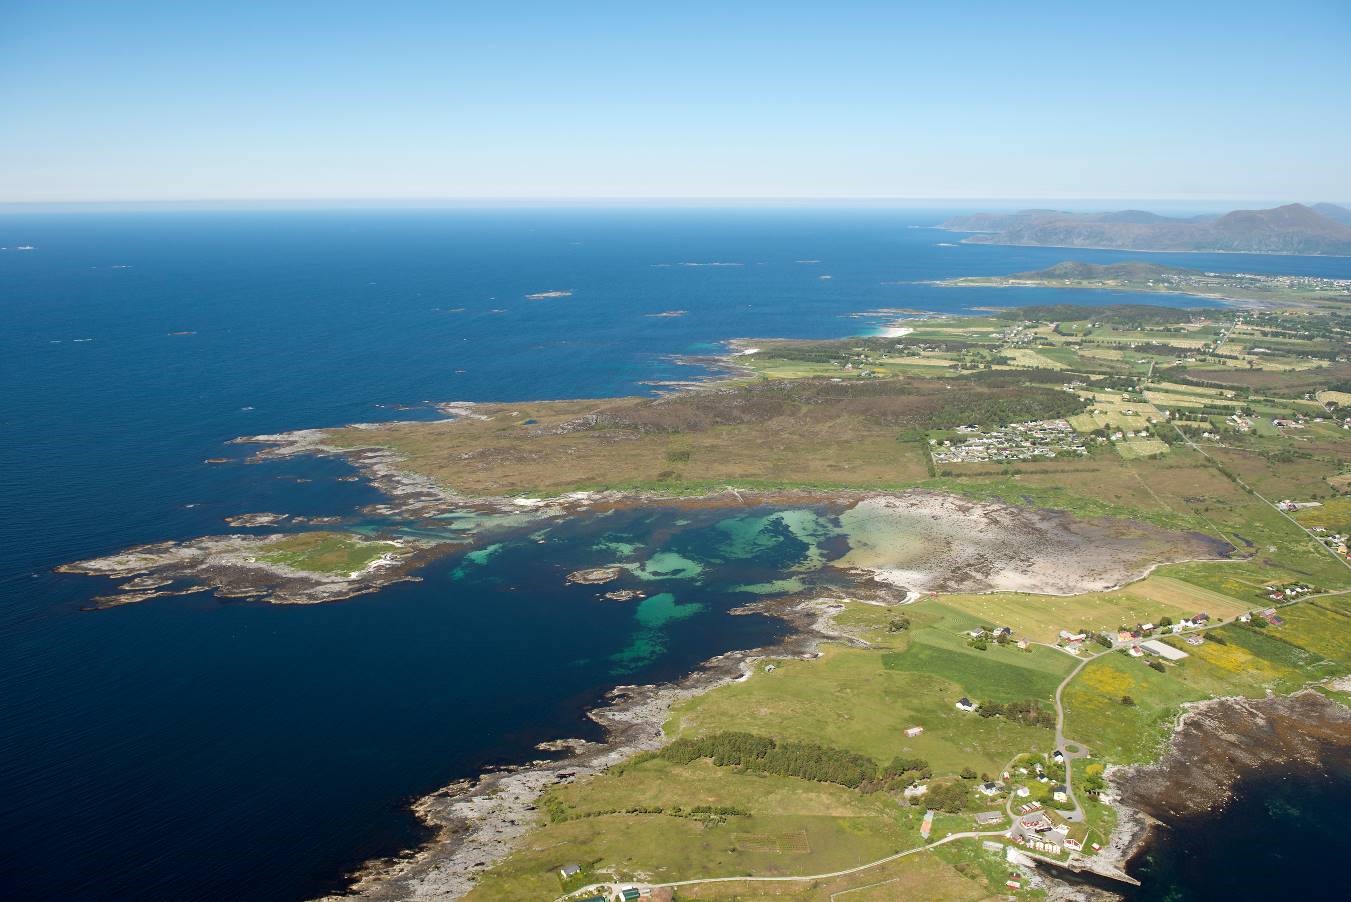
<point>1291,229</point>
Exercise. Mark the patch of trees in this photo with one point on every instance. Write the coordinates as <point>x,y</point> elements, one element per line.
<point>858,349</point>
<point>899,766</point>
<point>1131,316</point>
<point>1286,455</point>
<point>1027,712</point>
<point>1157,349</point>
<point>898,624</point>
<point>948,797</point>
<point>1114,383</point>
<point>760,754</point>
<point>993,399</point>
<point>1216,410</point>
<point>1093,779</point>
<point>1029,404</point>
<point>1014,378</point>
<point>897,775</point>
<point>1177,376</point>
<point>558,812</point>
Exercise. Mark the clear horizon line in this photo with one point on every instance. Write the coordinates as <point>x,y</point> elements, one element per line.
<point>618,199</point>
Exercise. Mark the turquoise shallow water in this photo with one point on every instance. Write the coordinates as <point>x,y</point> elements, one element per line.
<point>199,749</point>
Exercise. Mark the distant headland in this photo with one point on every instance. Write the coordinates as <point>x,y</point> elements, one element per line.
<point>1247,289</point>
<point>1321,229</point>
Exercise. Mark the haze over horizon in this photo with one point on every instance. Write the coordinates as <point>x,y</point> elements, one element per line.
<point>418,102</point>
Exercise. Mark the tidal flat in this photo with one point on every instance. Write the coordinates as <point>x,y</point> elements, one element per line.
<point>793,556</point>
<point>271,792</point>
<point>899,545</point>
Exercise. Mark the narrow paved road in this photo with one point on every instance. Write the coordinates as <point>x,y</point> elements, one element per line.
<point>1080,750</point>
<point>951,837</point>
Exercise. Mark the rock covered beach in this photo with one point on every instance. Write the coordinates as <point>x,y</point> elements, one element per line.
<point>1215,746</point>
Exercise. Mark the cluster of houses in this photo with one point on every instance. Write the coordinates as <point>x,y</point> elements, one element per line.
<point>1041,777</point>
<point>1038,832</point>
<point>1138,641</point>
<point>1335,541</point>
<point>1018,441</point>
<point>1072,642</point>
<point>1001,634</point>
<point>1287,592</point>
<point>1267,614</point>
<point>629,893</point>
<point>1300,421</point>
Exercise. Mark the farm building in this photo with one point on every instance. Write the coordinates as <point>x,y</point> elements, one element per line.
<point>1163,650</point>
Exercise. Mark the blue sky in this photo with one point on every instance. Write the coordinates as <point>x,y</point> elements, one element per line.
<point>140,100</point>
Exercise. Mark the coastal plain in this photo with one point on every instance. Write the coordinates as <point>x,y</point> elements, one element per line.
<point>1025,543</point>
<point>1193,423</point>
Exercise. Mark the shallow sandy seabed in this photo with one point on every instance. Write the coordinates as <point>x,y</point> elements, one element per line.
<point>918,541</point>
<point>901,546</point>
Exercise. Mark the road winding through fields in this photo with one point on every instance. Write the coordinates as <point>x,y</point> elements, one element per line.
<point>807,878</point>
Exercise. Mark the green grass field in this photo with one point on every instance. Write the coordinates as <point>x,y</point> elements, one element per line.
<point>855,698</point>
<point>327,552</point>
<point>863,699</point>
<point>848,698</point>
<point>1314,644</point>
<point>956,872</point>
<point>1140,447</point>
<point>793,827</point>
<point>1041,617</point>
<point>1119,733</point>
<point>1334,515</point>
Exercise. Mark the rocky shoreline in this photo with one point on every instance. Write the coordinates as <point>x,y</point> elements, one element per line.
<point>967,545</point>
<point>916,540</point>
<point>1215,745</point>
<point>235,566</point>
<point>979,545</point>
<point>479,822</point>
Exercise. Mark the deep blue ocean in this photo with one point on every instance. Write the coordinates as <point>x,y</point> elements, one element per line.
<point>1280,836</point>
<point>193,748</point>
